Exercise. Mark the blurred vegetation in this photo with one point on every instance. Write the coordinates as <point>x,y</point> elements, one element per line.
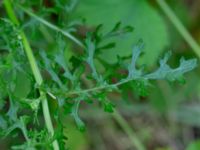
<point>167,117</point>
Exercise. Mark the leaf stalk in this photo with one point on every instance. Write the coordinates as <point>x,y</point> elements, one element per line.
<point>35,70</point>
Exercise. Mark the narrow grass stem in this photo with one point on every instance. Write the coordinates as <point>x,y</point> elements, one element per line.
<point>53,27</point>
<point>128,130</point>
<point>179,26</point>
<point>116,115</point>
<point>123,123</point>
<point>35,70</point>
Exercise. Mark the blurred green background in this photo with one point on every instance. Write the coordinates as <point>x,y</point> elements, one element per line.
<point>168,118</point>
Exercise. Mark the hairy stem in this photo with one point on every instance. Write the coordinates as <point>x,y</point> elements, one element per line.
<point>179,26</point>
<point>35,70</point>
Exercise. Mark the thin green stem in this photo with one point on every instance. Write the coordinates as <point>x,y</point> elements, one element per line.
<point>53,27</point>
<point>106,86</point>
<point>116,115</point>
<point>179,26</point>
<point>35,70</point>
<point>119,118</point>
<point>129,131</point>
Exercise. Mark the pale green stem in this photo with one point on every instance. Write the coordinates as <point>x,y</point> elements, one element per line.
<point>128,130</point>
<point>122,122</point>
<point>35,70</point>
<point>179,26</point>
<point>53,27</point>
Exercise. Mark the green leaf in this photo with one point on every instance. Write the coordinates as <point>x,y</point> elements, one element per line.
<point>22,85</point>
<point>74,136</point>
<point>132,71</point>
<point>108,106</point>
<point>80,124</point>
<point>90,50</point>
<point>60,57</point>
<point>147,23</point>
<point>48,67</point>
<point>166,72</point>
<point>140,87</point>
<point>3,123</point>
<point>163,72</point>
<point>195,145</point>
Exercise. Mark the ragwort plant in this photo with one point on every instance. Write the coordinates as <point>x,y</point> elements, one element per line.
<point>29,79</point>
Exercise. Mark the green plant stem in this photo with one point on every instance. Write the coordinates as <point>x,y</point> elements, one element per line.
<point>128,130</point>
<point>179,26</point>
<point>53,27</point>
<point>35,70</point>
<point>107,86</point>
<point>116,115</point>
<point>125,126</point>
